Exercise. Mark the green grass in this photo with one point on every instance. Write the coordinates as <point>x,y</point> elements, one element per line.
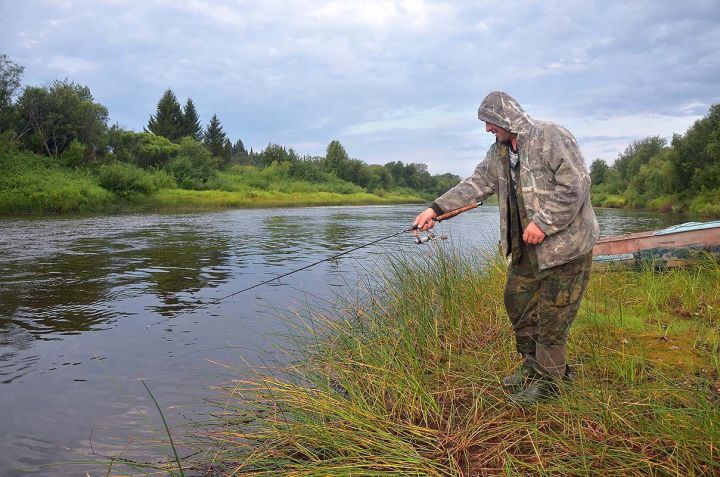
<point>405,380</point>
<point>179,199</point>
<point>34,184</point>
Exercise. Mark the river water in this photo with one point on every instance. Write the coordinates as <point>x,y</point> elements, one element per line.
<point>90,307</point>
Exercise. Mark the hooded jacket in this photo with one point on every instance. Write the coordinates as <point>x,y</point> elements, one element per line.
<point>554,182</point>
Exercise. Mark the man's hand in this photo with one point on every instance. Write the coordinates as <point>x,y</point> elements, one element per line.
<point>424,221</point>
<point>533,234</point>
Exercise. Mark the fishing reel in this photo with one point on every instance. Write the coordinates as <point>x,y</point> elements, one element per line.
<point>428,237</point>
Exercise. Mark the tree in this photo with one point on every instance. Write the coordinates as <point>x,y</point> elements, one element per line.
<point>335,158</point>
<point>239,153</point>
<point>58,114</point>
<point>143,149</point>
<point>698,163</point>
<point>168,120</point>
<point>10,74</point>
<point>274,153</point>
<point>637,154</point>
<point>227,152</point>
<point>191,121</point>
<point>598,171</point>
<point>214,137</point>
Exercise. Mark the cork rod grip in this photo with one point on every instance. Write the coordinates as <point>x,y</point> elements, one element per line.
<point>453,213</point>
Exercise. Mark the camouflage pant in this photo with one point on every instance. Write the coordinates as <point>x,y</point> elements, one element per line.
<point>542,307</point>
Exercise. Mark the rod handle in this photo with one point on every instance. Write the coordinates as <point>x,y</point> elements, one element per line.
<point>453,213</point>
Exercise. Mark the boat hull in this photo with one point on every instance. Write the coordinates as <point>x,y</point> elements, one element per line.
<point>671,247</point>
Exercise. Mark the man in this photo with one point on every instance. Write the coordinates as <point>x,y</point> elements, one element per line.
<point>548,227</point>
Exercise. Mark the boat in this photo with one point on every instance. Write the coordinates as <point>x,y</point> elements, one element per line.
<point>674,246</point>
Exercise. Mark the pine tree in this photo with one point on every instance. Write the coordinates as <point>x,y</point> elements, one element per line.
<point>239,153</point>
<point>191,121</point>
<point>227,152</point>
<point>214,137</point>
<point>168,119</point>
<point>239,148</point>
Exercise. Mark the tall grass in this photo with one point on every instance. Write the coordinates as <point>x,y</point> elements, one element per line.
<point>405,380</point>
<point>30,184</point>
<point>35,184</point>
<point>179,199</point>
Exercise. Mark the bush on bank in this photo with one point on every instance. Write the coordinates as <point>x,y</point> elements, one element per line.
<point>36,184</point>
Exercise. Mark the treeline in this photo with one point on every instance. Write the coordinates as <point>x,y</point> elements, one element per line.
<point>681,176</point>
<point>64,123</point>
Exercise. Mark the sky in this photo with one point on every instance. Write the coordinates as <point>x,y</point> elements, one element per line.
<point>390,79</point>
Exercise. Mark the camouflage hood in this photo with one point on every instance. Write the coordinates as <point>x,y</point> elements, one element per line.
<point>503,110</point>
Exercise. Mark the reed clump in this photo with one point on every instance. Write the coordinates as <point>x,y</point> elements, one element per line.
<point>405,380</point>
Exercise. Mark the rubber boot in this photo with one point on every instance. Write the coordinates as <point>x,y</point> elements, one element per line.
<point>544,387</point>
<point>520,378</point>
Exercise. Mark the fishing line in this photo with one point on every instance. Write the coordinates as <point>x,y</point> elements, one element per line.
<point>216,301</point>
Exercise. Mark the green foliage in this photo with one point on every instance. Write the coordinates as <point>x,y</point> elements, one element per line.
<point>279,177</point>
<point>191,121</point>
<point>239,153</point>
<point>143,149</point>
<point>335,158</point>
<point>57,115</point>
<point>35,184</point>
<point>698,163</point>
<point>637,154</point>
<point>127,180</point>
<point>74,155</point>
<point>649,174</point>
<point>168,120</point>
<point>10,73</point>
<point>214,138</point>
<point>598,171</point>
<point>274,153</point>
<point>194,166</point>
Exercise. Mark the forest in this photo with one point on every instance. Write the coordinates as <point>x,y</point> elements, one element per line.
<point>680,176</point>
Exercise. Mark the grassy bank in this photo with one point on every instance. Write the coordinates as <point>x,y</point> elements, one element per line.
<point>703,203</point>
<point>33,184</point>
<point>178,199</point>
<point>406,381</point>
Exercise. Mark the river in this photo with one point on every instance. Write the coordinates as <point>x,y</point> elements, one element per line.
<point>92,306</point>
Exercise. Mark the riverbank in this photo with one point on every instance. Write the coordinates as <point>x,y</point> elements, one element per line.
<point>407,382</point>
<point>704,204</point>
<point>32,184</point>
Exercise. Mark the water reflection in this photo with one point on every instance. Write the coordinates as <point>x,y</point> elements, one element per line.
<point>177,266</point>
<point>284,238</point>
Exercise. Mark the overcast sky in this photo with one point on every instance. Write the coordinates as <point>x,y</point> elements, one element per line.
<point>391,80</point>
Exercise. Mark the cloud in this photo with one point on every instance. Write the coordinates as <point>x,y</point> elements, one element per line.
<point>70,65</point>
<point>391,79</point>
<point>436,118</point>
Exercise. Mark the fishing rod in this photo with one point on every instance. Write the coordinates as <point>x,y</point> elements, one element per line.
<point>418,240</point>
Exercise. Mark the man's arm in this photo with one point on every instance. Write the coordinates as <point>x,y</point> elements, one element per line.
<point>478,187</point>
<point>572,185</point>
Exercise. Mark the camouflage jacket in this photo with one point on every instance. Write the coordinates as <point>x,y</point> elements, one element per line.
<point>553,177</point>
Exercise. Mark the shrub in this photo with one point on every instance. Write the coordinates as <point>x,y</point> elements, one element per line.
<point>74,155</point>
<point>194,167</point>
<point>614,201</point>
<point>35,184</point>
<point>126,180</point>
<point>153,151</point>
